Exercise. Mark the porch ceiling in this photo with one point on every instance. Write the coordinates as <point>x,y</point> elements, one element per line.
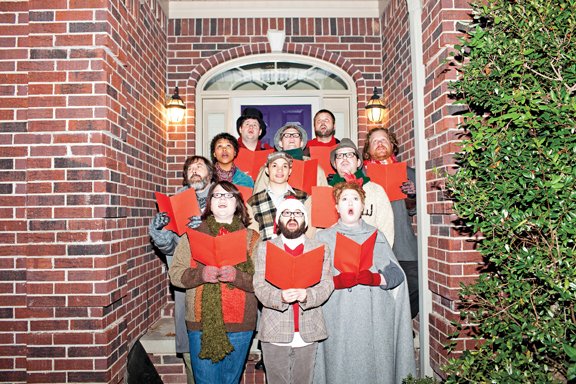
<point>177,9</point>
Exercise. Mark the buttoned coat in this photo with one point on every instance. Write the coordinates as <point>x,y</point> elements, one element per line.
<point>276,324</point>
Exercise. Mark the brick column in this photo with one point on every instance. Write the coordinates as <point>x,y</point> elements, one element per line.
<point>84,148</point>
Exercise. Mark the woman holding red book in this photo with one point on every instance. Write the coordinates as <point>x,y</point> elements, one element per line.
<point>368,315</point>
<point>220,303</point>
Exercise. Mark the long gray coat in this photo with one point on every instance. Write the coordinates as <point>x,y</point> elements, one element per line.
<point>370,330</point>
<point>276,324</point>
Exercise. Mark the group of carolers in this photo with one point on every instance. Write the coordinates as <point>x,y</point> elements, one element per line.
<point>348,326</point>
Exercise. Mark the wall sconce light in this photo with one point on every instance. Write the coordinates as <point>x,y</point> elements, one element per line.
<point>175,108</point>
<point>276,39</point>
<point>375,108</point>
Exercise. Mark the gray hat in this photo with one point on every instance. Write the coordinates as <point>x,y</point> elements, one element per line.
<point>291,124</point>
<point>279,155</point>
<point>344,143</point>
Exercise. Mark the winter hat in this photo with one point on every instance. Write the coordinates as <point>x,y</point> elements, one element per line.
<point>279,155</point>
<point>252,113</point>
<point>291,204</point>
<point>344,143</point>
<point>291,124</point>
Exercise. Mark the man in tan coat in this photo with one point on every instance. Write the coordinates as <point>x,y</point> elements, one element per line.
<point>292,322</point>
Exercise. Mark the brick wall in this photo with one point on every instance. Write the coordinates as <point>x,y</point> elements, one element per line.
<point>397,76</point>
<point>452,259</point>
<point>83,146</point>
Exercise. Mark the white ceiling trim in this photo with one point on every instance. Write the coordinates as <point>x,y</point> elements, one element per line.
<point>194,9</point>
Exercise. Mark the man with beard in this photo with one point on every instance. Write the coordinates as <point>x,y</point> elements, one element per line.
<point>197,175</point>
<point>292,321</point>
<point>381,147</point>
<point>324,128</point>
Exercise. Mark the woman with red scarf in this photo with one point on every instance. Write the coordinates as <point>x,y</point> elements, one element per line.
<point>220,303</point>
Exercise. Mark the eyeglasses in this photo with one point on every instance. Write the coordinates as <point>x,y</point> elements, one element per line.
<point>347,155</point>
<point>292,213</point>
<point>289,135</point>
<point>227,195</point>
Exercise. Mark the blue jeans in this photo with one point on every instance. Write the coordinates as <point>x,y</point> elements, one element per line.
<point>226,371</point>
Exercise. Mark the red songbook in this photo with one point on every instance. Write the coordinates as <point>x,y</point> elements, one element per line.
<point>322,154</point>
<point>251,161</point>
<point>324,213</point>
<point>286,271</point>
<point>349,256</point>
<point>228,249</point>
<point>390,177</point>
<point>180,208</point>
<point>246,192</point>
<point>304,175</point>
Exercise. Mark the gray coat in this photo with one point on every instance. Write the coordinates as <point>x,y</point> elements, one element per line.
<point>370,329</point>
<point>276,324</point>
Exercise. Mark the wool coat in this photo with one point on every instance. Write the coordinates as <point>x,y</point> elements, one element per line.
<point>276,324</point>
<point>239,305</point>
<point>370,329</point>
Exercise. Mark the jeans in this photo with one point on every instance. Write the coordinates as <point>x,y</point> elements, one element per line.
<point>226,371</point>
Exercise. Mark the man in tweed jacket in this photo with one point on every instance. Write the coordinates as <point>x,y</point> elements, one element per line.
<point>262,205</point>
<point>292,321</point>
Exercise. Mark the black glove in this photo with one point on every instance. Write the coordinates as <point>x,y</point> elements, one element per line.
<point>160,220</point>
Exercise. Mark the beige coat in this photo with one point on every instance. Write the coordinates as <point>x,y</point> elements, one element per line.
<point>276,324</point>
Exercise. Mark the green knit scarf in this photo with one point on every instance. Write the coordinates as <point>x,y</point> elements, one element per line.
<point>215,344</point>
<point>339,179</point>
<point>296,153</point>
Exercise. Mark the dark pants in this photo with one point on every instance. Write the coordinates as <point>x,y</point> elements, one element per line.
<point>410,269</point>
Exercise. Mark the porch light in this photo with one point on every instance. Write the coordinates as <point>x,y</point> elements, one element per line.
<point>175,108</point>
<point>375,108</point>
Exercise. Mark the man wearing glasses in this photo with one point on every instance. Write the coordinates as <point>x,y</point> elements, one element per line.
<point>292,321</point>
<point>290,138</point>
<point>346,160</point>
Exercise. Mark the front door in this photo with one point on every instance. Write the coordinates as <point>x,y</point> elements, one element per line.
<point>275,116</point>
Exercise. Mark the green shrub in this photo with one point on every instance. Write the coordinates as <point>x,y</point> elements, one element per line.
<point>516,190</point>
<point>424,380</point>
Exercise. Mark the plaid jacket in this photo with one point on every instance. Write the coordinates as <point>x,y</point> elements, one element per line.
<point>276,324</point>
<point>263,212</point>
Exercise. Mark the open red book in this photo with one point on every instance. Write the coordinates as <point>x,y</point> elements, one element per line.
<point>323,212</point>
<point>286,271</point>
<point>246,192</point>
<point>390,177</point>
<point>304,175</point>
<point>322,154</point>
<point>228,249</point>
<point>251,161</point>
<point>349,256</point>
<point>180,208</point>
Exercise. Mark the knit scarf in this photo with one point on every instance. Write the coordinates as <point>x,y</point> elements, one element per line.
<point>215,344</point>
<point>224,175</point>
<point>296,153</point>
<point>358,174</point>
